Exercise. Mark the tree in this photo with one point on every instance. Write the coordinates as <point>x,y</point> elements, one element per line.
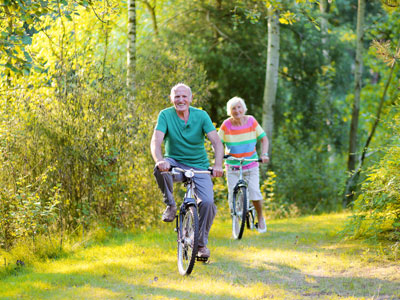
<point>356,103</point>
<point>131,53</point>
<point>272,67</point>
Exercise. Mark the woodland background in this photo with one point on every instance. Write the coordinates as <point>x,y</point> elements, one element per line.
<point>82,82</point>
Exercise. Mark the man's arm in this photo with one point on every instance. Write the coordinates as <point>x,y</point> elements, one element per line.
<point>218,153</point>
<point>156,150</point>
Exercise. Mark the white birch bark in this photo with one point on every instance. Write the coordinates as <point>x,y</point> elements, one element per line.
<point>131,49</point>
<point>271,78</point>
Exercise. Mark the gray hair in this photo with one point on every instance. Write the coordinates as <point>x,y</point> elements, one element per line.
<point>232,102</point>
<point>180,84</point>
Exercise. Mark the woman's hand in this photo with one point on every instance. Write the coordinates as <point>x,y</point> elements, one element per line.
<point>265,158</point>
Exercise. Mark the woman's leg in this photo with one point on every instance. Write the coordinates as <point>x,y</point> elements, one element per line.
<point>253,180</point>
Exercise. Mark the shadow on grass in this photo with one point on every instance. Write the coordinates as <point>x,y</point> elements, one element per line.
<point>82,285</point>
<point>295,281</point>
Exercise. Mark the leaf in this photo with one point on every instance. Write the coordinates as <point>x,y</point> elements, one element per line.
<point>28,56</point>
<point>27,40</point>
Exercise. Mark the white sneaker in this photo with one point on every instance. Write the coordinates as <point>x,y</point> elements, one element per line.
<point>262,229</point>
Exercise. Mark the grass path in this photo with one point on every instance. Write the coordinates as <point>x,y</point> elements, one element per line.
<point>298,258</point>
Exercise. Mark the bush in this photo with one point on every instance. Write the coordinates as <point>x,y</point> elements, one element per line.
<point>377,208</point>
<point>306,179</point>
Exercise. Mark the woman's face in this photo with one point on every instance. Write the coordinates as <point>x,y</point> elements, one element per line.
<point>237,111</point>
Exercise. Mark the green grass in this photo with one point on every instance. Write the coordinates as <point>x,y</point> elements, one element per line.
<point>300,258</point>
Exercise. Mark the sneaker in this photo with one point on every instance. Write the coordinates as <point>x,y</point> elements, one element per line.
<point>203,252</point>
<point>262,227</point>
<point>169,213</point>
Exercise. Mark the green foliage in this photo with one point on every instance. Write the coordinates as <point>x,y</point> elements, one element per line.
<point>74,150</point>
<point>307,177</point>
<point>377,208</point>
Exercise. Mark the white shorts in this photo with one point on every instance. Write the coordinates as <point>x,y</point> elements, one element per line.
<point>251,176</point>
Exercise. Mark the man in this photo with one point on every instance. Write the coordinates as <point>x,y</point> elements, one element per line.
<point>182,128</point>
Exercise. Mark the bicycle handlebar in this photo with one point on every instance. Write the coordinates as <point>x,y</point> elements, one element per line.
<point>209,171</point>
<point>241,159</point>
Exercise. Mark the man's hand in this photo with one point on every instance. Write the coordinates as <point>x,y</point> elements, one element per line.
<point>217,171</point>
<point>163,165</point>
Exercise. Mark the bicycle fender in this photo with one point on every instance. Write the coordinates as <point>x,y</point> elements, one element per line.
<point>239,184</point>
<point>189,201</point>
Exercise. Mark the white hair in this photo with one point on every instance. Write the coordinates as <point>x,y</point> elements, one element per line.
<point>176,86</point>
<point>232,102</point>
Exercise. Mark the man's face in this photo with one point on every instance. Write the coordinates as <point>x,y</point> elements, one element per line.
<point>181,99</point>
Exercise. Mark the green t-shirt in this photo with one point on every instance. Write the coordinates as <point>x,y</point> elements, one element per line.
<point>185,142</point>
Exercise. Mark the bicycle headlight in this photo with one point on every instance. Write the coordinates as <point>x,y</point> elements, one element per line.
<point>189,173</point>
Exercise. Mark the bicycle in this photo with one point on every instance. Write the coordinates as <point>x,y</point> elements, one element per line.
<point>187,223</point>
<point>242,212</point>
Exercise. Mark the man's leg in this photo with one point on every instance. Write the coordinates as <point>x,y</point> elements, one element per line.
<point>165,183</point>
<point>207,208</point>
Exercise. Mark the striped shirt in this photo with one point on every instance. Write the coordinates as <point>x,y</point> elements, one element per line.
<point>240,141</point>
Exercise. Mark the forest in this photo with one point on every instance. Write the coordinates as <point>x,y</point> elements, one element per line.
<point>82,83</point>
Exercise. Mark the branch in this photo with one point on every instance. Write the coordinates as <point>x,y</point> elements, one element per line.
<point>95,13</point>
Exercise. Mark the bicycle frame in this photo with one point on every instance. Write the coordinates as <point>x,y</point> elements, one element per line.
<point>187,223</point>
<point>241,182</point>
<point>189,199</point>
<point>247,213</point>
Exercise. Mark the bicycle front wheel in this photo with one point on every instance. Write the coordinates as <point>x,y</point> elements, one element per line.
<point>188,239</point>
<point>239,212</point>
<point>250,218</point>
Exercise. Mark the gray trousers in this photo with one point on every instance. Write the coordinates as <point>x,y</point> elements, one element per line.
<point>203,190</point>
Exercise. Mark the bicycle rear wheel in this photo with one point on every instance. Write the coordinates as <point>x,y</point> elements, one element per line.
<point>188,239</point>
<point>239,212</point>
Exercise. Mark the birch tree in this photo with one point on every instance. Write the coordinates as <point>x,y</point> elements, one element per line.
<point>131,47</point>
<point>272,66</point>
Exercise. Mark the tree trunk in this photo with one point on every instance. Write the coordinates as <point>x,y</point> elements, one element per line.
<point>323,7</point>
<point>356,104</point>
<point>131,53</point>
<point>271,78</point>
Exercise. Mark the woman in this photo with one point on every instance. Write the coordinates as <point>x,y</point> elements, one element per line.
<point>240,134</point>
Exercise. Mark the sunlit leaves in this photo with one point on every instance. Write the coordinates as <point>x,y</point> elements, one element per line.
<point>384,51</point>
<point>287,18</point>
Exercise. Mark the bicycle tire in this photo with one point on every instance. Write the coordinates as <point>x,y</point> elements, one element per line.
<point>188,240</point>
<point>239,212</point>
<point>250,221</point>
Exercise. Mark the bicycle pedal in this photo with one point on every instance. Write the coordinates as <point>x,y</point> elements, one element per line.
<point>203,259</point>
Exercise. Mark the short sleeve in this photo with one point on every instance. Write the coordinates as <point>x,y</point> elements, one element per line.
<point>161,122</point>
<point>260,133</point>
<point>208,126</point>
<point>221,135</point>
<point>221,132</point>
